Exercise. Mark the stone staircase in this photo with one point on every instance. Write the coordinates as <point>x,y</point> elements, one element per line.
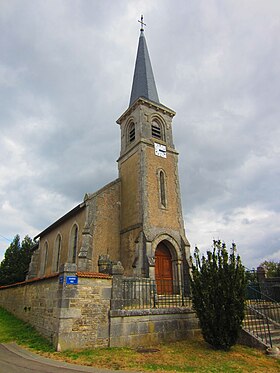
<point>172,300</point>
<point>262,322</point>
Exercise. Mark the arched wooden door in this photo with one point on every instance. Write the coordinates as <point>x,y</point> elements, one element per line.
<point>163,270</point>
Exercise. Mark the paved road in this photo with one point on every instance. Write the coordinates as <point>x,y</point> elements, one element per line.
<point>14,359</point>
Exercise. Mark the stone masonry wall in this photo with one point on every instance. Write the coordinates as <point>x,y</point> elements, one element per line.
<point>64,229</point>
<point>104,210</point>
<point>70,316</point>
<point>135,328</point>
<point>34,302</point>
<point>84,317</point>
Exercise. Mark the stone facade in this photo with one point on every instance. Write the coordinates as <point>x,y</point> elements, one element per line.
<point>45,259</point>
<point>98,225</point>
<point>102,226</point>
<point>128,218</point>
<point>146,220</point>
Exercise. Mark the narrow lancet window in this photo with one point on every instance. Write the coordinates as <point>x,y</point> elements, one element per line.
<point>45,258</point>
<point>156,130</point>
<point>74,243</point>
<point>131,133</point>
<point>162,189</point>
<point>58,251</point>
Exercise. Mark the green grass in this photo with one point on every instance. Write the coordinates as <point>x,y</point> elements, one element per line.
<point>15,330</point>
<point>193,355</point>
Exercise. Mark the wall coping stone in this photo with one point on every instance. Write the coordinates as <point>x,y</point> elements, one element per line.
<point>94,275</point>
<point>152,311</point>
<point>26,282</point>
<point>37,279</point>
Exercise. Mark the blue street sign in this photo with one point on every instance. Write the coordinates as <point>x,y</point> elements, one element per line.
<point>61,278</point>
<point>72,280</point>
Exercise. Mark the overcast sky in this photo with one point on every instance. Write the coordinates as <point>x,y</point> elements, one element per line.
<point>66,71</point>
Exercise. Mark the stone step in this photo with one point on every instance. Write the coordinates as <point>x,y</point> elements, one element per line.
<point>274,333</point>
<point>169,296</point>
<point>255,323</point>
<point>252,324</point>
<point>172,299</point>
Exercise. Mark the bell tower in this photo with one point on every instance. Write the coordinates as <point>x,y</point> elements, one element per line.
<point>152,224</point>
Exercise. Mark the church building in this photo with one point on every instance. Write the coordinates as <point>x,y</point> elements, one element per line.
<point>114,271</point>
<point>136,219</point>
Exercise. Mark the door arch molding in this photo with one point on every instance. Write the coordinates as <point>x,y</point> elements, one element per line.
<point>171,243</point>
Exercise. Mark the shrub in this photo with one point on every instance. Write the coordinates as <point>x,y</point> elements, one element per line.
<point>218,291</point>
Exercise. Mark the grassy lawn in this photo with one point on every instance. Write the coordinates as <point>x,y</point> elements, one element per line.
<point>187,356</point>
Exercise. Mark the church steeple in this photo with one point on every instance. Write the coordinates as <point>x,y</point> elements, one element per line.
<point>143,80</point>
<point>151,219</point>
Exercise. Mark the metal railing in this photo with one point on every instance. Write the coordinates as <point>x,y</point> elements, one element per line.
<point>257,324</point>
<point>264,304</point>
<point>140,293</point>
<point>262,315</point>
<point>267,285</point>
<point>271,288</point>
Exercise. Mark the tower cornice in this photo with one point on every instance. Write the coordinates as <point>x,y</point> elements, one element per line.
<point>148,103</point>
<point>149,143</point>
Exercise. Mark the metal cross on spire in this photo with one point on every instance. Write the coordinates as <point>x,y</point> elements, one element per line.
<point>142,23</point>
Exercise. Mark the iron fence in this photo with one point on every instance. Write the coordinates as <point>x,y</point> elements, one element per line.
<point>263,303</point>
<point>271,288</point>
<point>257,324</point>
<point>146,293</point>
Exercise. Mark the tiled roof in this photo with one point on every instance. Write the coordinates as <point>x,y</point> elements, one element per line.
<point>93,275</point>
<point>30,280</point>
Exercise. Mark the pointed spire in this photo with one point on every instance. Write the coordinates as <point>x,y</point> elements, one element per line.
<point>143,80</point>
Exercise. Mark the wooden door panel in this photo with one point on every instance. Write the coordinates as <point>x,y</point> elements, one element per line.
<point>163,270</point>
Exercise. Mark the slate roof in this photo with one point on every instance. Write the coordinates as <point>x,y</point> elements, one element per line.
<point>61,220</point>
<point>143,81</point>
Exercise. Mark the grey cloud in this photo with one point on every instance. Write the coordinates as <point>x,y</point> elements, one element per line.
<point>66,72</point>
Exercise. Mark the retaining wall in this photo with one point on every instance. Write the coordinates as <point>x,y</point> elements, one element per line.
<point>136,328</point>
<point>80,315</point>
<point>34,302</point>
<point>70,316</point>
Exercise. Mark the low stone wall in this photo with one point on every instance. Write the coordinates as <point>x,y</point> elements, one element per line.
<point>69,315</point>
<point>135,328</point>
<point>34,302</point>
<point>84,313</point>
<point>79,314</point>
<point>247,339</point>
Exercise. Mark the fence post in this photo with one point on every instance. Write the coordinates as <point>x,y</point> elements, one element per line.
<point>117,286</point>
<point>261,274</point>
